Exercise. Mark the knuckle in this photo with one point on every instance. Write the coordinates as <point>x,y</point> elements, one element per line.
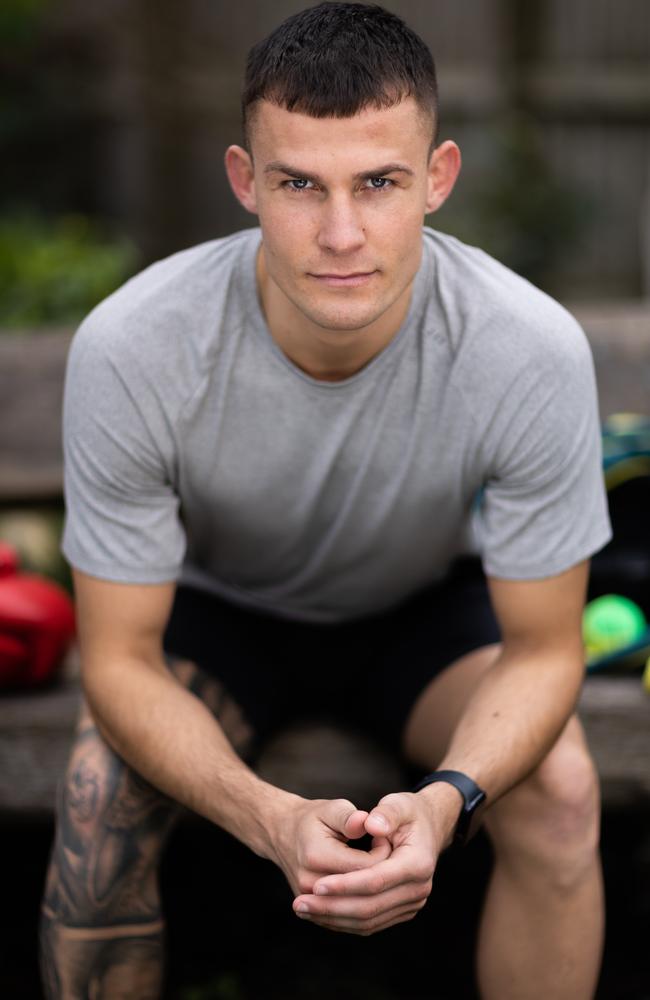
<point>422,872</point>
<point>373,926</point>
<point>305,882</point>
<point>392,802</point>
<point>422,893</point>
<point>310,860</point>
<point>392,799</point>
<point>370,912</point>
<point>416,894</point>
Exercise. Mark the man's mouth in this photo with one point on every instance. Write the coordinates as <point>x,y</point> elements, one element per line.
<point>352,280</point>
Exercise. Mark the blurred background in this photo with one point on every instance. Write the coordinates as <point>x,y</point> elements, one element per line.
<point>114,118</point>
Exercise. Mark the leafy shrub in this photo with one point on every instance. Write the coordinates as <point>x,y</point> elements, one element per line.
<point>520,211</point>
<point>55,271</point>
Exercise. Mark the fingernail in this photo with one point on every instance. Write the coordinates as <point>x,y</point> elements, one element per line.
<point>302,908</point>
<point>381,820</point>
<point>321,890</point>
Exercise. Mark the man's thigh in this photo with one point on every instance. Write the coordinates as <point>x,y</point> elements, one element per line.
<point>435,648</point>
<point>436,712</point>
<point>251,656</point>
<point>367,674</point>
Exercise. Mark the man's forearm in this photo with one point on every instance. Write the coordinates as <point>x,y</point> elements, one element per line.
<point>171,738</point>
<point>515,716</point>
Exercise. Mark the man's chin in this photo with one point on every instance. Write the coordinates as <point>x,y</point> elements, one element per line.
<point>342,318</point>
<point>343,324</point>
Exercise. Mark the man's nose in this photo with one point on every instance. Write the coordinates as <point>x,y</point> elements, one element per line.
<point>341,229</point>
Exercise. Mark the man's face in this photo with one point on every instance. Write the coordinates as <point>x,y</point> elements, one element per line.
<point>341,203</point>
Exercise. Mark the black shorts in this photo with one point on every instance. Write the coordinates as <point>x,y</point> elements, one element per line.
<point>364,674</point>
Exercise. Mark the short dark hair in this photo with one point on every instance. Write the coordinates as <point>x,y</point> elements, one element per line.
<point>335,60</point>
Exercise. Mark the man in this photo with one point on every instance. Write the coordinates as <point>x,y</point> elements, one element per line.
<point>297,426</point>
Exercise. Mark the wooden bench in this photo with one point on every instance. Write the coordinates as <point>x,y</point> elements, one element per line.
<point>36,728</point>
<point>311,760</point>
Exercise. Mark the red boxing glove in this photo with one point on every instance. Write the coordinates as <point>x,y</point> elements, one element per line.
<point>36,625</point>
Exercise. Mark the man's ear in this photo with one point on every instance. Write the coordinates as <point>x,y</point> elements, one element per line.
<point>444,167</point>
<point>239,168</point>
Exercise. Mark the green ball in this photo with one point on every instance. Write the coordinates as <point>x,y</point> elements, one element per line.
<point>611,622</point>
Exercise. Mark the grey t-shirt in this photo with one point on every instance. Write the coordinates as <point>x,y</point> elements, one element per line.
<point>195,450</point>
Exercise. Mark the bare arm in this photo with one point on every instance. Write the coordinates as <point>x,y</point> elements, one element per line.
<point>523,702</point>
<point>165,732</point>
<point>171,738</point>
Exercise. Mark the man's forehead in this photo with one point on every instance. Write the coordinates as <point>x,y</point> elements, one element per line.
<point>391,133</point>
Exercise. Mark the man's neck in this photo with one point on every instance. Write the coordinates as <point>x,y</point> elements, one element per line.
<point>310,347</point>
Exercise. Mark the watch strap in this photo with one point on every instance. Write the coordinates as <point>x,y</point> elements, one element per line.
<point>473,799</point>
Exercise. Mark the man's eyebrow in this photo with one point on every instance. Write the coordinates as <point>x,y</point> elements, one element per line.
<point>285,168</point>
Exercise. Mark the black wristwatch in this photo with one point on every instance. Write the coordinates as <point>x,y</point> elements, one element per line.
<point>473,801</point>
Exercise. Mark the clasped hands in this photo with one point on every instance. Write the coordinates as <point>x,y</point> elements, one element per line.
<point>343,888</point>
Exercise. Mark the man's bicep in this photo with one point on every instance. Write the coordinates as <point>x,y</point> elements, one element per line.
<point>541,612</point>
<point>122,518</point>
<point>118,620</point>
<point>543,507</point>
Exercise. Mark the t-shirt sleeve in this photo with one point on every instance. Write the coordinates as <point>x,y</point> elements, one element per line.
<point>122,513</point>
<point>544,505</point>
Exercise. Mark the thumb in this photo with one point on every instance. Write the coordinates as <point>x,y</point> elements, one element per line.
<point>343,817</point>
<point>354,826</point>
<point>387,816</point>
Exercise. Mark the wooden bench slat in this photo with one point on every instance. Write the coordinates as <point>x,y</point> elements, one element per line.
<point>31,395</point>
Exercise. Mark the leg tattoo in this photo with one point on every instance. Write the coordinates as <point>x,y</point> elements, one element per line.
<point>102,928</point>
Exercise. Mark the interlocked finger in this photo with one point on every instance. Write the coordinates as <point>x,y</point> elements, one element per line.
<point>355,912</point>
<point>363,928</point>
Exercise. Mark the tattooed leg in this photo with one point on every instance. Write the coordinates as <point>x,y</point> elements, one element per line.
<point>102,928</point>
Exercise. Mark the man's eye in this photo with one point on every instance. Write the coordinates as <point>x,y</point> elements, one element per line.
<point>298,184</point>
<point>380,183</point>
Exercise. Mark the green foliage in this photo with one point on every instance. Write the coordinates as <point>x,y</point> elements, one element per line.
<point>520,212</point>
<point>19,20</point>
<point>55,271</point>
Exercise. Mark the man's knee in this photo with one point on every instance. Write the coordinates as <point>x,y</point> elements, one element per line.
<point>101,928</point>
<point>111,826</point>
<point>552,819</point>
